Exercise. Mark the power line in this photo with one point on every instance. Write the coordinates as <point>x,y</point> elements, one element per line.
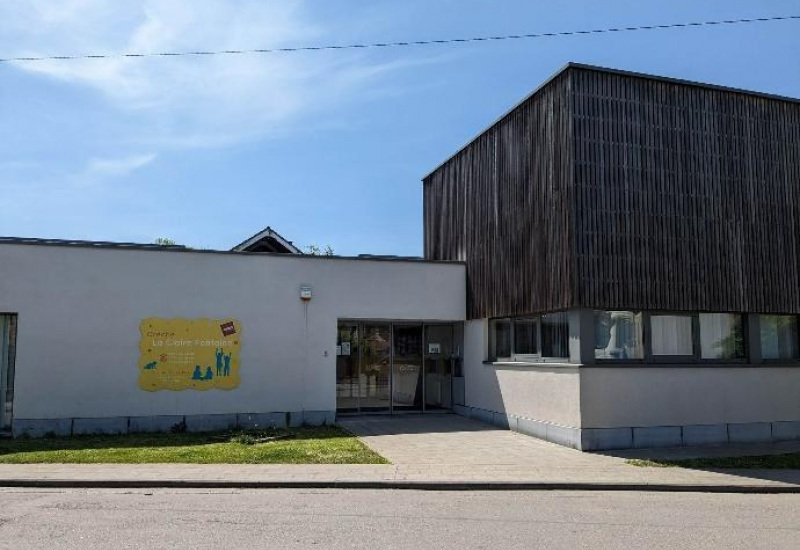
<point>405,43</point>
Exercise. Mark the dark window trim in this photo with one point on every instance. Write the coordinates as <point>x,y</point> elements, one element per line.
<point>677,364</point>
<point>745,328</point>
<point>653,358</point>
<point>696,358</point>
<point>794,362</point>
<point>618,361</point>
<point>779,361</point>
<point>7,397</point>
<point>524,358</point>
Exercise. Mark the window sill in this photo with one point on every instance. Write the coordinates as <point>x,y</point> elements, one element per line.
<point>559,364</point>
<point>682,365</point>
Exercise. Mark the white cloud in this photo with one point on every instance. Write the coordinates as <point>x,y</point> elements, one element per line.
<point>190,101</point>
<point>117,166</point>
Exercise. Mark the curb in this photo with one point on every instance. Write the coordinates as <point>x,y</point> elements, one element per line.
<point>398,485</point>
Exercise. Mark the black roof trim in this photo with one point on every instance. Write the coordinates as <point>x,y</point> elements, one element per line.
<point>105,245</point>
<point>95,244</point>
<point>266,233</point>
<point>621,72</point>
<point>685,82</point>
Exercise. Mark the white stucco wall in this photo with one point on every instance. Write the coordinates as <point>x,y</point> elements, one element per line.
<point>79,312</point>
<point>547,393</point>
<point>678,396</point>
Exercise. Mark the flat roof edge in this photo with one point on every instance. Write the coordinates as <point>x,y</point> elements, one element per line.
<point>685,82</point>
<point>107,245</point>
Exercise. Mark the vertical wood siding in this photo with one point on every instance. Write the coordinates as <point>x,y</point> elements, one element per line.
<point>502,205</point>
<point>686,197</point>
<point>612,191</point>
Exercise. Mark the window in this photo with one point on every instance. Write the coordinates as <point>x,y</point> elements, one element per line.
<point>8,336</point>
<point>721,336</point>
<point>543,336</point>
<point>779,337</point>
<point>671,335</point>
<point>555,335</point>
<point>502,339</point>
<point>648,337</point>
<point>526,336</point>
<point>619,335</point>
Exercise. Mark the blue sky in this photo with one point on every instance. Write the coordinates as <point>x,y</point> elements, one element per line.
<point>327,148</point>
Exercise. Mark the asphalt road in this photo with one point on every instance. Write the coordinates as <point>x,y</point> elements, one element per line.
<point>372,519</point>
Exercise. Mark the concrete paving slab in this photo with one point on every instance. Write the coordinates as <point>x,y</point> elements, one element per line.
<point>450,440</point>
<point>439,452</point>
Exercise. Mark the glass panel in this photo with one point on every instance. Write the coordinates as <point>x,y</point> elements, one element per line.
<point>672,335</point>
<point>555,335</point>
<point>407,374</point>
<point>779,337</point>
<point>347,368</point>
<point>376,364</point>
<point>439,354</point>
<point>618,335</point>
<point>721,336</point>
<point>526,336</point>
<point>502,339</point>
<point>5,342</point>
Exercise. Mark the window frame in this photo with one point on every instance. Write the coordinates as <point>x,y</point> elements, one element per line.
<point>649,359</point>
<point>696,357</point>
<point>645,341</point>
<point>648,350</point>
<point>745,358</point>
<point>524,358</point>
<point>779,361</point>
<point>493,339</point>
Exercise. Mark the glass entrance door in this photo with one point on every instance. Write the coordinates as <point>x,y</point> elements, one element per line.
<point>407,368</point>
<point>347,380</point>
<point>7,345</point>
<point>384,367</point>
<point>376,368</point>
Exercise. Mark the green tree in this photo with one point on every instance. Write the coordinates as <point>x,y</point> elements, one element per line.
<point>165,241</point>
<point>315,250</point>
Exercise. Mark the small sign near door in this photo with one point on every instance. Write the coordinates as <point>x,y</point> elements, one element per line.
<point>434,348</point>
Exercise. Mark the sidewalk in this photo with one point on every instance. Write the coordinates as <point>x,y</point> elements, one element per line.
<point>432,453</point>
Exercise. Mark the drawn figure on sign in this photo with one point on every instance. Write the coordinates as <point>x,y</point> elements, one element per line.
<point>151,366</point>
<point>209,374</point>
<point>228,364</point>
<point>218,353</point>
<point>198,374</point>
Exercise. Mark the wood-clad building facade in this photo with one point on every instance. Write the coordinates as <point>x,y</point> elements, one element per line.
<point>613,190</point>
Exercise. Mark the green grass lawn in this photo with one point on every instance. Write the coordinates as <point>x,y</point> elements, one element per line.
<point>785,461</point>
<point>325,445</point>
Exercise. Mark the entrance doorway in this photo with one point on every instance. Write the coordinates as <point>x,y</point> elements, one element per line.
<point>395,367</point>
<point>8,336</point>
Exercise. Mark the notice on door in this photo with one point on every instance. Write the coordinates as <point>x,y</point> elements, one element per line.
<point>184,354</point>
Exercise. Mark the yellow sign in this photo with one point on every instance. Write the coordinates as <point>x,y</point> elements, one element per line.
<point>180,354</point>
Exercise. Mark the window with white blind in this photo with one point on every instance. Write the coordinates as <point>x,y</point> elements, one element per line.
<point>671,335</point>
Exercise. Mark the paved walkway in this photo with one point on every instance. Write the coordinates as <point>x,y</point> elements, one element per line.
<point>451,447</point>
<point>432,451</point>
<point>448,442</point>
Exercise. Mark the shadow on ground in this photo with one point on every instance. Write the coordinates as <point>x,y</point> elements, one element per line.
<point>408,424</point>
<point>774,461</point>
